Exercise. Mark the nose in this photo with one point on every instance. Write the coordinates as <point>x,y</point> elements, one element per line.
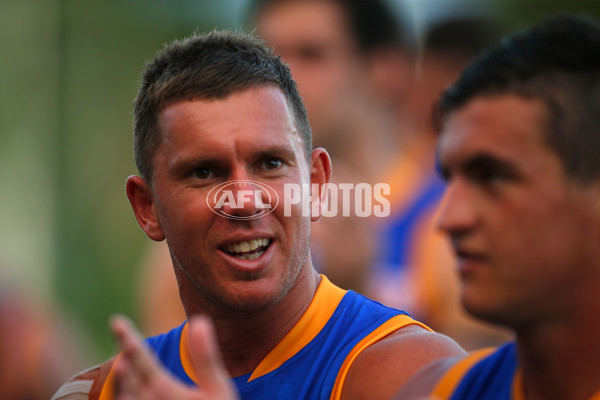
<point>456,213</point>
<point>247,200</point>
<point>244,197</point>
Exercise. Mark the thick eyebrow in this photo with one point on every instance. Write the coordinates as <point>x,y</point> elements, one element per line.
<point>183,165</point>
<point>489,161</point>
<point>284,152</point>
<point>478,162</point>
<point>186,164</point>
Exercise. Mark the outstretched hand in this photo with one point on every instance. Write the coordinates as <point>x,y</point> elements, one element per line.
<point>139,375</point>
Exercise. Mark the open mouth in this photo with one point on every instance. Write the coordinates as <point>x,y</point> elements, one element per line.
<point>247,250</point>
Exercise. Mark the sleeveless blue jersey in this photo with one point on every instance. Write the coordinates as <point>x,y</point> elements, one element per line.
<point>491,375</point>
<point>313,358</point>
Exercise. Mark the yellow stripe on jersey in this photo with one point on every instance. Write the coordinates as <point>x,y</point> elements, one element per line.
<point>321,308</point>
<point>390,326</point>
<point>184,353</point>
<point>107,392</point>
<point>596,396</point>
<point>446,386</point>
<point>518,391</point>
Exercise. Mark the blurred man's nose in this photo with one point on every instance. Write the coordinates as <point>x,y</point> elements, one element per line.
<point>456,213</point>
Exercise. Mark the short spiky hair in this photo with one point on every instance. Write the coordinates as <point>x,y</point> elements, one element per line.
<point>557,61</point>
<point>210,66</point>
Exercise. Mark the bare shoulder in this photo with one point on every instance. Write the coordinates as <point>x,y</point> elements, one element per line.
<point>422,384</point>
<point>384,367</point>
<point>85,385</point>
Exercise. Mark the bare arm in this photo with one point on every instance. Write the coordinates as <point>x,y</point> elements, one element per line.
<point>421,385</point>
<point>383,368</point>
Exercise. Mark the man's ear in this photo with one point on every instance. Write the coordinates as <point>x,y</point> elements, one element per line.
<point>320,176</point>
<point>140,196</point>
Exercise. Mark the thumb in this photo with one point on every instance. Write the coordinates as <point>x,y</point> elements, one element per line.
<point>211,374</point>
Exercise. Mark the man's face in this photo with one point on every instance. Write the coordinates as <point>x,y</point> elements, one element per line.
<point>249,135</point>
<point>315,41</point>
<point>524,232</point>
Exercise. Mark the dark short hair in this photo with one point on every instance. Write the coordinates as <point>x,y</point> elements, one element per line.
<point>461,37</point>
<point>557,61</point>
<point>210,66</point>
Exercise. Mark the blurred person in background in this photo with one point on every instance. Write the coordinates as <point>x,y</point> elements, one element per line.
<point>39,348</point>
<point>341,53</point>
<point>415,265</point>
<point>518,146</point>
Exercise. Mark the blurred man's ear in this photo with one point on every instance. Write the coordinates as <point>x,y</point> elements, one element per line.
<point>320,174</point>
<point>140,196</point>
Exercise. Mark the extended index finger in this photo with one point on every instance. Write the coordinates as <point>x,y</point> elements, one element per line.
<point>133,348</point>
<point>211,372</point>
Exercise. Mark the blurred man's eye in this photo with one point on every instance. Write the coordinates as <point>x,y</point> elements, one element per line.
<point>311,52</point>
<point>487,176</point>
<point>486,170</point>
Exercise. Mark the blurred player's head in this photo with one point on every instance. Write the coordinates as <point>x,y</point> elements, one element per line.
<point>520,131</point>
<point>557,62</point>
<point>448,46</point>
<point>329,46</point>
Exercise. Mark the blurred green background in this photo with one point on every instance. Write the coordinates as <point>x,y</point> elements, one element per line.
<point>68,74</point>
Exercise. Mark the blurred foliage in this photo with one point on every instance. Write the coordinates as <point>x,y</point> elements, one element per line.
<point>69,73</point>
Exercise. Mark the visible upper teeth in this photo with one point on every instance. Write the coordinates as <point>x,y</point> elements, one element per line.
<point>246,246</point>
